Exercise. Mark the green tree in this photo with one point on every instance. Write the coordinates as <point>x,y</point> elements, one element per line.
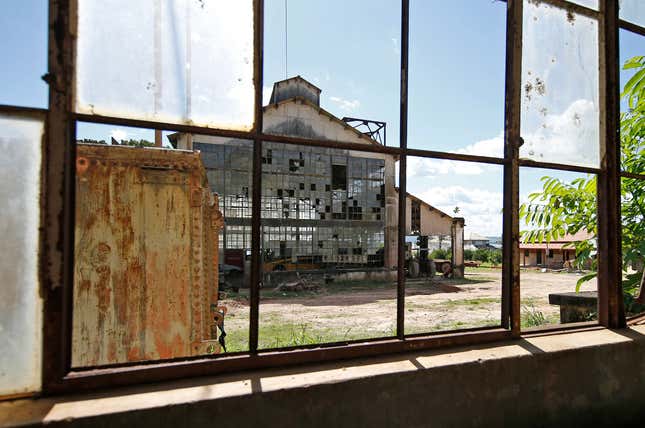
<point>565,208</point>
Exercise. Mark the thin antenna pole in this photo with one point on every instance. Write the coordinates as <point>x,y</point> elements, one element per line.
<point>286,36</point>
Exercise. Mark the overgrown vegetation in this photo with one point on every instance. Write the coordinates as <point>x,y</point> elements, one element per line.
<point>441,253</point>
<point>484,255</point>
<point>565,208</point>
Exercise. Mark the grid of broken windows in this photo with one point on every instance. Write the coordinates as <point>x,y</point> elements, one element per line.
<point>312,201</point>
<point>324,245</point>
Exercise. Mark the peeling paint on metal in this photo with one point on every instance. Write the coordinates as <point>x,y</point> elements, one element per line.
<point>146,260</point>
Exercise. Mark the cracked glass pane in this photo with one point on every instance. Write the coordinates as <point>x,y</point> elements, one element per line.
<point>560,115</point>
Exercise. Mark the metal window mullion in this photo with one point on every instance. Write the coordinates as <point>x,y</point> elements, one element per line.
<point>403,142</point>
<point>510,218</point>
<point>57,233</point>
<point>610,300</point>
<point>630,26</point>
<point>256,204</point>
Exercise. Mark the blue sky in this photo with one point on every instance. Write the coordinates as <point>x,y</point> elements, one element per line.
<point>350,49</point>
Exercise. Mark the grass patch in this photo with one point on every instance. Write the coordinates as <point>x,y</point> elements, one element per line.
<point>532,317</point>
<point>483,301</point>
<point>275,333</point>
<point>452,325</point>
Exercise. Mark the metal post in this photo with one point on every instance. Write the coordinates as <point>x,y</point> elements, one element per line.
<point>513,93</point>
<point>256,207</point>
<point>57,237</point>
<point>403,136</point>
<point>610,295</point>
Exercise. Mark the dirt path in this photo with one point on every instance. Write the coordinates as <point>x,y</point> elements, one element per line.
<point>430,306</point>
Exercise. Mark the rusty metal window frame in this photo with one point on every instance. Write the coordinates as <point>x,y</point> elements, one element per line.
<point>58,201</point>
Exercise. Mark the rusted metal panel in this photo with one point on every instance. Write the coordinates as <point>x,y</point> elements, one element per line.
<point>145,276</point>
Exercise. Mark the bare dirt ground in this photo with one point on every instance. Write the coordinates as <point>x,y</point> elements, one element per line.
<point>358,310</point>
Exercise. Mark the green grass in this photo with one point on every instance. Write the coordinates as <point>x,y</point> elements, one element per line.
<point>451,325</point>
<point>531,317</point>
<point>483,301</point>
<point>276,331</point>
<point>275,334</point>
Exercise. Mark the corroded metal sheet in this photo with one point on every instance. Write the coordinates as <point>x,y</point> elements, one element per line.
<point>145,284</point>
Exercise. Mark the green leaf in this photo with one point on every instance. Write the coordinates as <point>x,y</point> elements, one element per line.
<point>583,279</point>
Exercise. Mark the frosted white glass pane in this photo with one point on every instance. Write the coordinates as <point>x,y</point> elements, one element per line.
<point>559,86</point>
<point>632,11</point>
<point>20,303</point>
<point>181,61</point>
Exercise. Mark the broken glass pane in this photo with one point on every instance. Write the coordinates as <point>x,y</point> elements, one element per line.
<point>23,46</point>
<point>558,247</point>
<point>560,114</point>
<point>453,245</point>
<point>20,303</point>
<point>320,74</point>
<point>633,239</point>
<point>456,76</point>
<point>180,62</point>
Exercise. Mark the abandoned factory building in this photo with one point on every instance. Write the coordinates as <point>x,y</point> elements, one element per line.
<point>320,206</point>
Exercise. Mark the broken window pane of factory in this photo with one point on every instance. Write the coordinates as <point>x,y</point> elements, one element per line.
<point>632,105</point>
<point>20,301</point>
<point>23,46</point>
<point>148,262</point>
<point>633,244</point>
<point>453,245</point>
<point>456,76</point>
<point>558,247</point>
<point>329,254</point>
<point>560,115</point>
<point>632,11</point>
<point>179,62</point>
<point>332,70</point>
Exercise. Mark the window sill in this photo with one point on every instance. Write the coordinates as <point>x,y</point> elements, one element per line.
<point>538,369</point>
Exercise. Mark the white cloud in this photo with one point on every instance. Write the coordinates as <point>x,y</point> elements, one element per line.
<point>493,147</point>
<point>429,168</point>
<point>481,208</point>
<point>346,105</point>
<point>569,137</point>
<point>118,134</point>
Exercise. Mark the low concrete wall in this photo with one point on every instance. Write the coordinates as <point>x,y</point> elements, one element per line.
<point>592,378</point>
